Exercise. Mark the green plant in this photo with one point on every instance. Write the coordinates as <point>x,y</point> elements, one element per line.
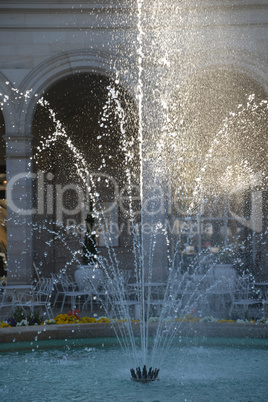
<point>34,318</point>
<point>19,314</point>
<point>31,317</point>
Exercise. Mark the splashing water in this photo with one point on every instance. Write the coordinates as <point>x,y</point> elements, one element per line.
<point>182,293</point>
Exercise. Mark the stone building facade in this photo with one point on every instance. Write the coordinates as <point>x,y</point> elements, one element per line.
<point>180,68</point>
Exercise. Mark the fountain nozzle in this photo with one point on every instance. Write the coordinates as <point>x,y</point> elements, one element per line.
<point>144,375</point>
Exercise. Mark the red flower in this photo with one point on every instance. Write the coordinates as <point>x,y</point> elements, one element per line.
<point>75,313</point>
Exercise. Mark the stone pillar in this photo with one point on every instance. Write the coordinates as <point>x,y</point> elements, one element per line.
<point>155,188</point>
<point>19,209</point>
<point>154,220</point>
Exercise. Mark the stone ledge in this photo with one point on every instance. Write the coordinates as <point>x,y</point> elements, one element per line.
<point>105,330</point>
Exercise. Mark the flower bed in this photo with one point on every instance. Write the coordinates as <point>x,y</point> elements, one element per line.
<point>73,318</point>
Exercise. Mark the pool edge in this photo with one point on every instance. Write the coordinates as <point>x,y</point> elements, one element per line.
<point>105,330</point>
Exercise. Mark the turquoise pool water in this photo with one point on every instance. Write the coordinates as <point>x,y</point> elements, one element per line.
<point>217,370</point>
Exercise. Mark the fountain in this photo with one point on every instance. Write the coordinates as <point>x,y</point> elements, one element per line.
<point>144,375</point>
<point>192,258</point>
<point>185,289</point>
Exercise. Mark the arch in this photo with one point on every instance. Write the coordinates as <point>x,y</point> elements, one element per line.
<point>228,70</point>
<point>222,139</point>
<point>253,65</point>
<point>244,79</point>
<point>78,101</point>
<point>60,66</point>
<point>208,96</point>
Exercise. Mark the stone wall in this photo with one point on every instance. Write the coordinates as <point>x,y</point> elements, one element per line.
<point>41,43</point>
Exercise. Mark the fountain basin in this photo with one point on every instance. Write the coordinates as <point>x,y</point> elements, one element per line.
<point>199,370</point>
<point>16,335</point>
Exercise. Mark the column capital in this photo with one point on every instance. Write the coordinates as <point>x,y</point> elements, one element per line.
<point>18,146</point>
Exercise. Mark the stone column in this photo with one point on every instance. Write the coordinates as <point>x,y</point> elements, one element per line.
<point>154,177</point>
<point>154,220</point>
<point>19,208</point>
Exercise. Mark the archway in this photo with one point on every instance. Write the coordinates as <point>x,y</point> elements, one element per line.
<point>94,133</point>
<point>220,169</point>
